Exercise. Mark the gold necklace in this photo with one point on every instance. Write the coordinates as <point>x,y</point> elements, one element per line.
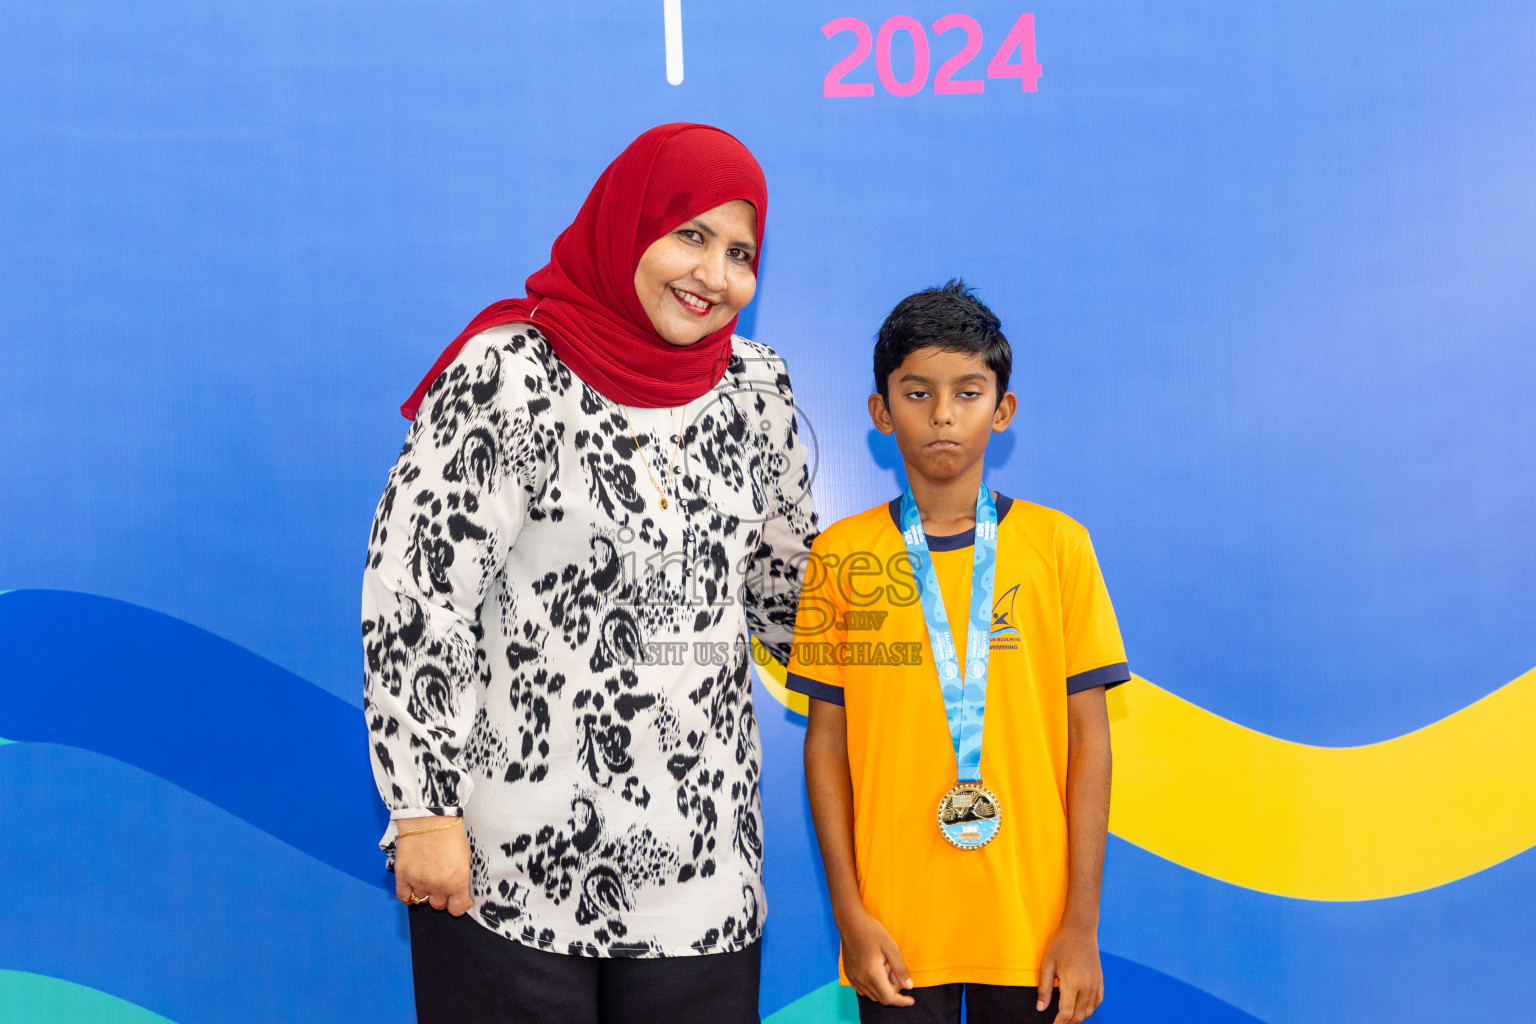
<point>646,462</point>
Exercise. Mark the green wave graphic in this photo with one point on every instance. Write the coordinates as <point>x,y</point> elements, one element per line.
<point>39,999</point>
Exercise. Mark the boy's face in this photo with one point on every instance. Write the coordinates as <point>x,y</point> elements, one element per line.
<point>943,410</point>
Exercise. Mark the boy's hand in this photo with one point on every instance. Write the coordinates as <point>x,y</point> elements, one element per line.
<point>1072,956</point>
<point>872,961</point>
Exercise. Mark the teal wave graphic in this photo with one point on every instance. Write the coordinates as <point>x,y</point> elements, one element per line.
<point>39,999</point>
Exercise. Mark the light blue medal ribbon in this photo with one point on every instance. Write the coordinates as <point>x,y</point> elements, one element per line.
<point>965,700</point>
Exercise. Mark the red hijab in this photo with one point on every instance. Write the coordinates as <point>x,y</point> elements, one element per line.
<point>584,299</point>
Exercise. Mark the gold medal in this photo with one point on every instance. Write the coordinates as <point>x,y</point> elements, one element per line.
<point>969,816</point>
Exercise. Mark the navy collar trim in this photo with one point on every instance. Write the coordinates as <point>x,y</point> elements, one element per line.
<point>955,541</point>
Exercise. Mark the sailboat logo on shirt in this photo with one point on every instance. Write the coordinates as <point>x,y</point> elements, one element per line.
<point>1005,636</point>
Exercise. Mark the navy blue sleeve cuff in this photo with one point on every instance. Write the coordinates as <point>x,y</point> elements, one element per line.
<point>1109,675</point>
<point>814,688</point>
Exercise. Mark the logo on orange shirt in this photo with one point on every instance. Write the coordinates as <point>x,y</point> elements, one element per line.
<point>1005,636</point>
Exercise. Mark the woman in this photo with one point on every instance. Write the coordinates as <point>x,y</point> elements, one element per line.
<point>604,490</point>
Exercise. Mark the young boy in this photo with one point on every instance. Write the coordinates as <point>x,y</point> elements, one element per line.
<point>956,645</point>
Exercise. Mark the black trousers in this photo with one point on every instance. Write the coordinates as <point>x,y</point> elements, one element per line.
<point>984,1004</point>
<point>467,974</point>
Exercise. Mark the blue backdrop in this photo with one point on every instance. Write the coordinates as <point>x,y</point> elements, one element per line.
<point>1266,267</point>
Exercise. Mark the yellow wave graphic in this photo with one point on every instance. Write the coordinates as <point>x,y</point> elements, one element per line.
<point>1319,823</point>
<point>773,675</point>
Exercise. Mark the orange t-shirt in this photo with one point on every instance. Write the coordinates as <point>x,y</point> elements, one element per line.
<point>861,641</point>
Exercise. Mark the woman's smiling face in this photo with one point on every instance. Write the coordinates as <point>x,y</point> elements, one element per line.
<point>696,277</point>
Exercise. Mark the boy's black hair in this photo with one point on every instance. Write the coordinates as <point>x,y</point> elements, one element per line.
<point>949,317</point>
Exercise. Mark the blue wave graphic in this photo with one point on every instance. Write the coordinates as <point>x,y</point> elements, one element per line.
<point>200,829</point>
<point>1137,994</point>
<point>198,711</point>
<point>1298,961</point>
<point>139,889</point>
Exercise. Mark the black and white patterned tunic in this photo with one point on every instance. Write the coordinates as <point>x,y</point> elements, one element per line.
<point>566,663</point>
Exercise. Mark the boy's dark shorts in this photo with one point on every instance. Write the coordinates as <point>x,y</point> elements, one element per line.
<point>984,1004</point>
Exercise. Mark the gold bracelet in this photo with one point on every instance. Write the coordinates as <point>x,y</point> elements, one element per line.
<point>434,828</point>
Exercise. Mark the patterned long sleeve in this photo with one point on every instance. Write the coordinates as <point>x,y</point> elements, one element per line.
<point>771,588</point>
<point>454,503</point>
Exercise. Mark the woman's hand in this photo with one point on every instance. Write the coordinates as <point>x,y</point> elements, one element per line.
<point>433,864</point>
<point>872,961</point>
